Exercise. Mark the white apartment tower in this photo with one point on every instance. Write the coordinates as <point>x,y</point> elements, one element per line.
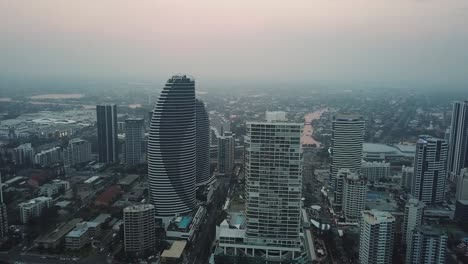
<point>429,246</point>
<point>77,151</point>
<point>346,145</point>
<point>374,171</point>
<point>430,170</point>
<point>376,239</point>
<point>407,175</point>
<point>414,210</point>
<point>226,147</point>
<point>354,196</point>
<point>139,228</point>
<point>273,188</point>
<point>458,140</point>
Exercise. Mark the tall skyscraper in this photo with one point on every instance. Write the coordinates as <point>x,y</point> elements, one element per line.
<point>77,151</point>
<point>134,134</point>
<point>346,145</point>
<point>107,133</point>
<point>430,173</point>
<point>139,228</point>
<point>273,187</point>
<point>458,144</point>
<point>354,196</point>
<point>203,144</point>
<point>462,185</point>
<point>376,239</point>
<point>429,246</point>
<point>226,148</point>
<point>3,213</point>
<point>172,149</point>
<point>414,210</point>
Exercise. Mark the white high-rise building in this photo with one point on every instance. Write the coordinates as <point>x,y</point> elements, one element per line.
<point>172,149</point>
<point>48,156</point>
<point>273,187</point>
<point>430,173</point>
<point>414,210</point>
<point>458,142</point>
<point>226,148</point>
<point>346,145</point>
<point>203,143</point>
<point>374,171</point>
<point>462,185</point>
<point>354,196</point>
<point>376,239</point>
<point>429,246</point>
<point>134,134</point>
<point>139,228</point>
<point>78,151</point>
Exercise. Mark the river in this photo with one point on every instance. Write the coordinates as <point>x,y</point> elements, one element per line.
<point>306,138</point>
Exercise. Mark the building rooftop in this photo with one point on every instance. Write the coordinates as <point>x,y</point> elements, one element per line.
<point>129,179</point>
<point>428,230</point>
<point>100,218</point>
<point>138,207</point>
<point>59,232</point>
<point>175,251</point>
<point>376,217</point>
<point>79,230</point>
<point>92,179</point>
<point>231,232</point>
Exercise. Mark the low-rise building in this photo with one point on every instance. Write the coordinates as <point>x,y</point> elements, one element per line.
<point>33,208</point>
<point>174,255</point>
<point>78,237</point>
<point>374,171</point>
<point>56,237</point>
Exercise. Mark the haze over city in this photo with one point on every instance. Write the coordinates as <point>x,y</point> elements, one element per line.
<point>397,43</point>
<point>234,132</point>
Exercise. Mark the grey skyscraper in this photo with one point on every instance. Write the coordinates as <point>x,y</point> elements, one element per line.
<point>458,142</point>
<point>172,149</point>
<point>346,145</point>
<point>107,133</point>
<point>273,174</point>
<point>414,210</point>
<point>429,246</point>
<point>77,151</point>
<point>429,170</point>
<point>134,133</point>
<point>203,144</point>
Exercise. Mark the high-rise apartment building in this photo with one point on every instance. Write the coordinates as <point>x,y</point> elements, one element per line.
<point>134,134</point>
<point>226,148</point>
<point>33,208</point>
<point>462,185</point>
<point>346,145</point>
<point>407,175</point>
<point>139,228</point>
<point>429,246</point>
<point>202,143</point>
<point>458,142</point>
<point>430,173</point>
<point>273,187</point>
<point>48,156</point>
<point>374,171</point>
<point>414,210</point>
<point>24,154</point>
<point>172,149</point>
<point>376,239</point>
<point>107,133</point>
<point>354,196</point>
<point>3,213</point>
<point>340,179</point>
<point>77,151</point>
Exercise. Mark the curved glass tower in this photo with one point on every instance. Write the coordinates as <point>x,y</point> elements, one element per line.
<point>203,144</point>
<point>172,148</point>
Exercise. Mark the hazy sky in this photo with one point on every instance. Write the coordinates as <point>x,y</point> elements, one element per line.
<point>397,41</point>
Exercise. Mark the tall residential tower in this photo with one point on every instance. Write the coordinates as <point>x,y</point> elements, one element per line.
<point>458,140</point>
<point>203,143</point>
<point>172,149</point>
<point>134,134</point>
